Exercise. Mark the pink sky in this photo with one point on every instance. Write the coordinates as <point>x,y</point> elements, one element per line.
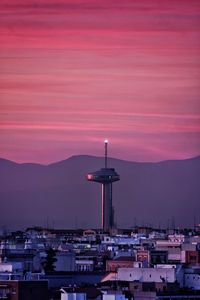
<point>74,72</point>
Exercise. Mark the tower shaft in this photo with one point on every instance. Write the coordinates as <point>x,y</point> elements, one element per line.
<point>107,208</point>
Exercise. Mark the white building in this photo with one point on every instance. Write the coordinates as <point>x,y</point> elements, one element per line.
<point>147,274</point>
<point>84,265</point>
<point>120,240</point>
<point>11,267</point>
<point>72,296</point>
<point>115,296</point>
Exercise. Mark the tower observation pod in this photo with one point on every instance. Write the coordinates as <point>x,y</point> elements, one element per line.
<point>106,176</point>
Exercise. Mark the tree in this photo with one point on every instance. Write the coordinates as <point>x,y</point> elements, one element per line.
<point>50,259</point>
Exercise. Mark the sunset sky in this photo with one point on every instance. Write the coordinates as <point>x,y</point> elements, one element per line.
<point>74,72</point>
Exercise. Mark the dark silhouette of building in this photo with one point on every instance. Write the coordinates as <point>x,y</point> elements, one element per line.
<point>24,289</point>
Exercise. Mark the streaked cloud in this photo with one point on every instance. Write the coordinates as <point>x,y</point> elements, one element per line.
<point>76,71</point>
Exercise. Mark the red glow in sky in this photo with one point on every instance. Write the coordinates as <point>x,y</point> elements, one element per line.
<point>74,72</point>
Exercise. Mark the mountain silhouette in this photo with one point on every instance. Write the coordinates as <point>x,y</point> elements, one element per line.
<point>59,195</point>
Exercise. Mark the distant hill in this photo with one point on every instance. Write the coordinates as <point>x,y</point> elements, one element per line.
<point>59,195</point>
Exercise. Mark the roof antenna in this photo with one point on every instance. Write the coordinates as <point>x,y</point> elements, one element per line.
<point>106,153</point>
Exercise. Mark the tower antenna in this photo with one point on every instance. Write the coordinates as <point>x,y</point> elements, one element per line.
<point>106,153</point>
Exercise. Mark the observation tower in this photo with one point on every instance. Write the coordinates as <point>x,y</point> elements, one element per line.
<point>106,176</point>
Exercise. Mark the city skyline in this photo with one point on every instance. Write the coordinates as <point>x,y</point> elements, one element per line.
<point>76,72</point>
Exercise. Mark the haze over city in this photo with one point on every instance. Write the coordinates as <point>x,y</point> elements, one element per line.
<point>76,72</point>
